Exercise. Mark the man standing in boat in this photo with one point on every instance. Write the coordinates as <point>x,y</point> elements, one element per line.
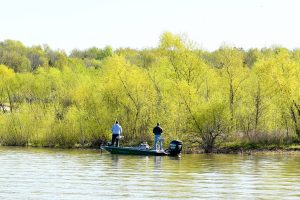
<point>116,133</point>
<point>157,130</point>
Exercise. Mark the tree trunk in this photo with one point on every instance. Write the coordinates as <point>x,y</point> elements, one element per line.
<point>295,117</point>
<point>257,108</point>
<point>209,142</point>
<point>10,100</point>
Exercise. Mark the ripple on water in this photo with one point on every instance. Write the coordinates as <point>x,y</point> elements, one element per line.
<point>28,173</point>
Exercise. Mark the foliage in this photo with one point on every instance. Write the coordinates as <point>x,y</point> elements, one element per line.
<point>206,99</point>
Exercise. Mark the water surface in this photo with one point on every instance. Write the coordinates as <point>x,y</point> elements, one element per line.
<point>30,173</point>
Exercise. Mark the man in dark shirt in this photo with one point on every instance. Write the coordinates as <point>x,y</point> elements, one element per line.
<point>157,130</point>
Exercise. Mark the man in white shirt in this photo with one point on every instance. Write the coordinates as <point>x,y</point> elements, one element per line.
<point>116,132</point>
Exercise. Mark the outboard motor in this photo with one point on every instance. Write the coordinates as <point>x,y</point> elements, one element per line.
<point>175,147</point>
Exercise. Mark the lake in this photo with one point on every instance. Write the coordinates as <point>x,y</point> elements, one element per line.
<point>36,173</point>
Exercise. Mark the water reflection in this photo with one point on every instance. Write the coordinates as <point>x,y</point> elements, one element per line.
<point>157,161</point>
<point>27,173</point>
<point>115,160</point>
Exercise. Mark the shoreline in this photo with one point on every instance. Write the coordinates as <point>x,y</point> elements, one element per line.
<point>263,150</point>
<point>221,150</point>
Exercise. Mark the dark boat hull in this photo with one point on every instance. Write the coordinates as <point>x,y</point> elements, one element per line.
<point>134,151</point>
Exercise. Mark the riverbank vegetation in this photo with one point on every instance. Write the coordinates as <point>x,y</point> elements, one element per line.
<point>228,97</point>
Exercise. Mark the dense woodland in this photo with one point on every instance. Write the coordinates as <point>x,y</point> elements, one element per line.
<point>227,97</point>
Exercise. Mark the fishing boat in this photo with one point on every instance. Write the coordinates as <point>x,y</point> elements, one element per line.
<point>174,149</point>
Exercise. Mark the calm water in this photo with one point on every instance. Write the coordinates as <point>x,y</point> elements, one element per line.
<point>64,174</point>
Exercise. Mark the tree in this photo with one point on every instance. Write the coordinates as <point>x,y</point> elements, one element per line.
<point>129,94</point>
<point>13,54</point>
<point>6,83</point>
<point>230,61</point>
<point>37,57</point>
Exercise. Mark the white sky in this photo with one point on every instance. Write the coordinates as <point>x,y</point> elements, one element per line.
<point>68,24</point>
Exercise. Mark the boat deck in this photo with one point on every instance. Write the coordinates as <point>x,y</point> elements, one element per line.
<point>134,151</point>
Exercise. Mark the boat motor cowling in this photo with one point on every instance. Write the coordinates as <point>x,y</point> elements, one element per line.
<point>175,147</point>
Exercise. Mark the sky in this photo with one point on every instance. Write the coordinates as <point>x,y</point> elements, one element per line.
<point>69,24</point>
